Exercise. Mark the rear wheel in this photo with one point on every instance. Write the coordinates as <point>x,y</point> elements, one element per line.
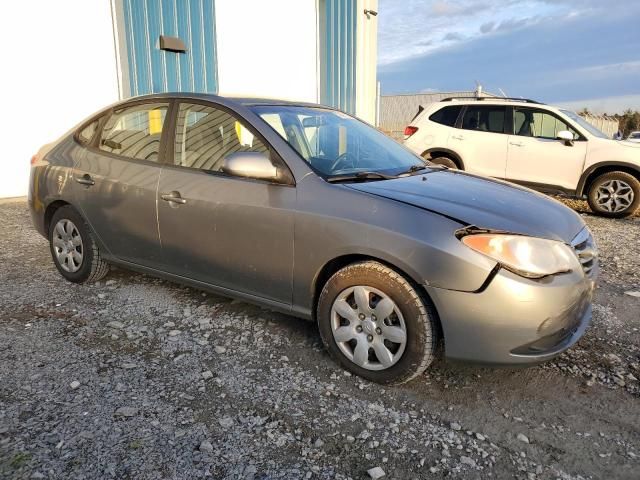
<point>445,161</point>
<point>73,248</point>
<point>376,324</point>
<point>614,194</point>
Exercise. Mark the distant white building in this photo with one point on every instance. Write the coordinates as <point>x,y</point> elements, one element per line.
<point>87,55</point>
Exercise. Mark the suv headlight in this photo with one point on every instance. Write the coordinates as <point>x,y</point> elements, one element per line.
<point>527,256</point>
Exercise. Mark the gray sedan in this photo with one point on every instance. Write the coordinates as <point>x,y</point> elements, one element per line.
<point>307,210</point>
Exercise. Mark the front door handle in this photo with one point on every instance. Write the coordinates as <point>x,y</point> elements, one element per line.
<point>173,197</point>
<point>517,144</point>
<point>85,180</point>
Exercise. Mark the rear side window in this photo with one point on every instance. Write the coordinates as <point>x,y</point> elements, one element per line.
<point>488,118</point>
<point>447,115</point>
<point>86,134</point>
<point>135,131</point>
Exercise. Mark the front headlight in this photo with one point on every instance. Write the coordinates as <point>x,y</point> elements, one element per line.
<point>527,256</point>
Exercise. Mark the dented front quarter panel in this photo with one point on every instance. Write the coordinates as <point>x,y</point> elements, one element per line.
<point>333,220</point>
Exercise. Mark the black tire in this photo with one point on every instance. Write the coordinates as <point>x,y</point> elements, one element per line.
<point>91,268</point>
<point>445,161</point>
<point>417,311</point>
<point>627,178</point>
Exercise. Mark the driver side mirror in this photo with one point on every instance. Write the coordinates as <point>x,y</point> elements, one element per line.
<point>250,165</point>
<point>566,136</point>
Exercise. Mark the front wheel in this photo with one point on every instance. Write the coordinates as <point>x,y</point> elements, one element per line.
<point>614,194</point>
<point>376,324</point>
<point>73,248</point>
<point>445,161</point>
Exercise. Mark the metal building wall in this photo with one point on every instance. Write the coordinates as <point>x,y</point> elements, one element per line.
<point>337,51</point>
<point>608,125</point>
<point>147,69</point>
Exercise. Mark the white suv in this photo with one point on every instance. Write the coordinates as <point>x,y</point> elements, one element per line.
<point>536,145</point>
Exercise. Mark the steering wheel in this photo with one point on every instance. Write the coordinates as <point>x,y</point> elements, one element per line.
<point>341,159</point>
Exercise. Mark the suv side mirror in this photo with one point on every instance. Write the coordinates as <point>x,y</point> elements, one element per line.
<point>566,136</point>
<point>250,165</point>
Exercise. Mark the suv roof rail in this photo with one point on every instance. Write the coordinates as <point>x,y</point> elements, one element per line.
<point>479,99</point>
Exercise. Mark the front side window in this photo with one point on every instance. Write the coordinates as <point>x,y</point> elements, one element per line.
<point>447,115</point>
<point>334,143</point>
<point>487,118</point>
<point>206,135</point>
<point>530,122</point>
<point>135,131</point>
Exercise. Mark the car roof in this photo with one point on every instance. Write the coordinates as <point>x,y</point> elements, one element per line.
<point>244,101</point>
<point>520,102</point>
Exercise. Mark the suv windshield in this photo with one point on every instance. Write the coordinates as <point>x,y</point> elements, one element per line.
<point>336,144</point>
<point>584,124</point>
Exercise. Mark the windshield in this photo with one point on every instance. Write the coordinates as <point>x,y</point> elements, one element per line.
<point>336,144</point>
<point>584,124</point>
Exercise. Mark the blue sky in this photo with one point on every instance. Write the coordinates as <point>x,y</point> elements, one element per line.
<point>570,52</point>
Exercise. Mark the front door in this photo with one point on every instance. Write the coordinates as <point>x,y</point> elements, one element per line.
<point>537,158</point>
<point>481,141</point>
<point>231,232</point>
<point>116,181</point>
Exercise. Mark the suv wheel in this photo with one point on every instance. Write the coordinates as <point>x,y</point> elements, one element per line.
<point>73,248</point>
<point>445,161</point>
<point>375,323</point>
<point>614,194</point>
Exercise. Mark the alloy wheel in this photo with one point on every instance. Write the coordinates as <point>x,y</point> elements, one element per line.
<point>368,327</point>
<point>614,196</point>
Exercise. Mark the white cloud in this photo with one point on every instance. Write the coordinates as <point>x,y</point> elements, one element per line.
<point>412,28</point>
<point>602,105</point>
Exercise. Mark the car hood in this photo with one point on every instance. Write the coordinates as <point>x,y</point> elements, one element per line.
<point>482,202</point>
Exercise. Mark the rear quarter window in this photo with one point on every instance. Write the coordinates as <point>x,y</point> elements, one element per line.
<point>85,135</point>
<point>446,116</point>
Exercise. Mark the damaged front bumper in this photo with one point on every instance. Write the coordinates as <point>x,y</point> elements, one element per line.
<point>515,320</point>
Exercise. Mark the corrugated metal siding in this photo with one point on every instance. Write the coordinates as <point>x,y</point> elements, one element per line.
<point>338,53</point>
<point>396,111</point>
<point>152,70</point>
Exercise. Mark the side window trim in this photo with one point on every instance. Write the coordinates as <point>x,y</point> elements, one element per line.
<point>106,115</point>
<point>463,112</point>
<point>169,160</point>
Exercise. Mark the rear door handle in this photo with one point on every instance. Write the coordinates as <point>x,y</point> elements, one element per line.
<point>85,180</point>
<point>173,197</point>
<point>457,137</point>
<point>517,144</point>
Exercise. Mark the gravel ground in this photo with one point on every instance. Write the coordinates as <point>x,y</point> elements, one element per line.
<point>136,378</point>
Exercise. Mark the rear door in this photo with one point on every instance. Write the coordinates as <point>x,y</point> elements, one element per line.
<point>235,233</point>
<point>116,181</point>
<point>480,140</point>
<point>537,158</point>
